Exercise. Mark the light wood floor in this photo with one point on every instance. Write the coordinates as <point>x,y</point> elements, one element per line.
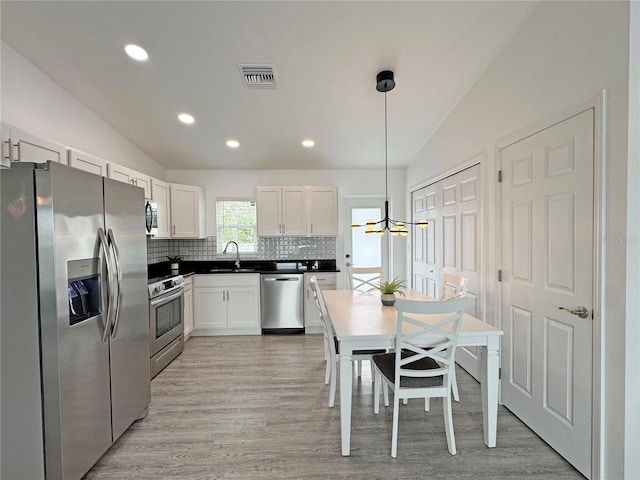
<point>256,408</point>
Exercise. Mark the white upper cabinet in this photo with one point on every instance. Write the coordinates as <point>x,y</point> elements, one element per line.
<point>87,162</point>
<point>282,211</point>
<point>294,210</point>
<point>5,158</point>
<point>20,146</point>
<point>297,211</point>
<point>160,195</point>
<point>127,175</point>
<point>187,211</point>
<point>323,211</point>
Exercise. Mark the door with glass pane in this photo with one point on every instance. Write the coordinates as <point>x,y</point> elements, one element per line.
<point>360,249</point>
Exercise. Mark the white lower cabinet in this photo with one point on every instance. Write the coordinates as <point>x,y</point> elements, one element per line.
<point>226,304</point>
<point>326,281</point>
<point>188,307</point>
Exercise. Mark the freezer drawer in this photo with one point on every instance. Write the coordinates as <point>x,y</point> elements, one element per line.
<point>281,303</point>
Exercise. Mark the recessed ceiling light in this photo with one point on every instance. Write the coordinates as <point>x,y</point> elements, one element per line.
<point>136,52</point>
<point>233,143</point>
<point>308,143</point>
<point>186,118</point>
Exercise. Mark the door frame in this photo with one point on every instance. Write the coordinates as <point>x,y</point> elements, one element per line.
<point>596,102</point>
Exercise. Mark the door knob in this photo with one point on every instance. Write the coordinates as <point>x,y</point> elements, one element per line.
<point>348,264</point>
<point>580,311</point>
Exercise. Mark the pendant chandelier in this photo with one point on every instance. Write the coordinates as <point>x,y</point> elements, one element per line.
<point>385,83</point>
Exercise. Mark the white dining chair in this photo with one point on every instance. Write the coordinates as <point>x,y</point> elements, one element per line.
<point>423,362</point>
<point>451,287</point>
<point>364,279</point>
<point>331,345</point>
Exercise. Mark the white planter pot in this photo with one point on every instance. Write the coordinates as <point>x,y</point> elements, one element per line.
<point>388,299</point>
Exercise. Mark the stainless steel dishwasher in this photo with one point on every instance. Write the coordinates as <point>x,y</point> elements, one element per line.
<point>281,303</point>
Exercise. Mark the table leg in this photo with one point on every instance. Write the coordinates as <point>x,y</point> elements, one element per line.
<point>490,387</point>
<point>345,401</point>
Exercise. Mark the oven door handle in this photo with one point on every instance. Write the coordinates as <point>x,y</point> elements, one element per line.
<point>116,256</point>
<point>104,245</point>
<point>165,299</point>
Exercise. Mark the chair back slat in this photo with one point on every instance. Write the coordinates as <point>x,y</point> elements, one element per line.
<point>364,279</point>
<point>434,339</point>
<point>452,286</point>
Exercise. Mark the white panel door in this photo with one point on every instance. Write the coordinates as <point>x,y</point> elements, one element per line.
<point>425,271</point>
<point>547,255</point>
<point>451,243</point>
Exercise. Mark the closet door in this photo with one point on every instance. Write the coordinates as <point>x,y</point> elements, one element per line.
<point>451,243</point>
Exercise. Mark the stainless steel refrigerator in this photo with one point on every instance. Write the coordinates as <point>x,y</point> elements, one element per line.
<point>74,325</point>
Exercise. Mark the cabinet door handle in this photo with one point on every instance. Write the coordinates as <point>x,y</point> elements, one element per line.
<point>312,228</point>
<point>174,229</point>
<point>8,144</point>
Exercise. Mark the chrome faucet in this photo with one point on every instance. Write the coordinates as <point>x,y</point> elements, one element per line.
<point>237,252</point>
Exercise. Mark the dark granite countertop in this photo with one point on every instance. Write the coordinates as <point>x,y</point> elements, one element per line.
<point>246,266</point>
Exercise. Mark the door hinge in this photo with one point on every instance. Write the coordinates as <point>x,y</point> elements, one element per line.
<point>499,176</point>
<point>499,275</point>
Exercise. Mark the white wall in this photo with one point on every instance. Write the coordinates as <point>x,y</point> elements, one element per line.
<point>564,54</point>
<point>632,391</point>
<point>241,183</point>
<point>35,103</point>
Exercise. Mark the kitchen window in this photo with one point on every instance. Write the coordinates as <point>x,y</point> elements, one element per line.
<point>236,220</point>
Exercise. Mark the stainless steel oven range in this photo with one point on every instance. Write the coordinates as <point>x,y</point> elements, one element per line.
<point>166,323</point>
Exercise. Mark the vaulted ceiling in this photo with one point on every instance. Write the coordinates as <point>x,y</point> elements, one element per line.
<point>326,56</point>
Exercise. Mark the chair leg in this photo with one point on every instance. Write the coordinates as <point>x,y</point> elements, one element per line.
<point>332,385</point>
<point>327,373</point>
<point>454,385</point>
<point>448,424</point>
<point>327,357</point>
<point>385,387</point>
<point>376,393</point>
<point>394,435</point>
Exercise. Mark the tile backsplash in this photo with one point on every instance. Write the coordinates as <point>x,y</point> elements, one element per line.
<point>269,248</point>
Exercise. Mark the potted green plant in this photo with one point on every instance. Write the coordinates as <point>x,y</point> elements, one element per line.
<point>389,289</point>
<point>175,262</point>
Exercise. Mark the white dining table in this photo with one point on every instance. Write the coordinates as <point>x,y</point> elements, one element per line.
<point>361,322</point>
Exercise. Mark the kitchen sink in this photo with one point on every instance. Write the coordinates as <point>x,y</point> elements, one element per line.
<point>232,270</point>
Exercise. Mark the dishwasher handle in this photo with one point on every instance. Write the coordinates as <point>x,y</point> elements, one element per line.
<point>281,279</point>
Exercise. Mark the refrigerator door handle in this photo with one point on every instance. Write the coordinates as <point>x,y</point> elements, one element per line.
<point>107,257</point>
<point>116,257</point>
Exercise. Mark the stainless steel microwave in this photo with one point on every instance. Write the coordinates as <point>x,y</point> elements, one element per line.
<point>151,218</point>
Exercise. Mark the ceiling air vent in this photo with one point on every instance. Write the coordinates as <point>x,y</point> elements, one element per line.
<point>259,76</point>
